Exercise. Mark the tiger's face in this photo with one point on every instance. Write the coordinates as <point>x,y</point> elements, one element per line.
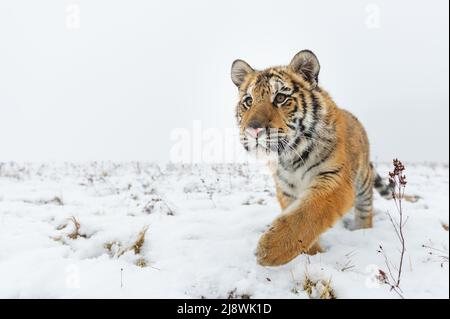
<point>273,104</point>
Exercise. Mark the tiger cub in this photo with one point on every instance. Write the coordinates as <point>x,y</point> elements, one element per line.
<point>319,154</point>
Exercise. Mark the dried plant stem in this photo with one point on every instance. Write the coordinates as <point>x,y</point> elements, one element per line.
<point>398,180</point>
<point>76,232</point>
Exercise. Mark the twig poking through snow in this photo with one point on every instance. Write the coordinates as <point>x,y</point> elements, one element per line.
<point>439,253</point>
<point>393,275</point>
<point>121,277</point>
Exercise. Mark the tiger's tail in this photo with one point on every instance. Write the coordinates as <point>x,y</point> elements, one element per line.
<point>386,190</point>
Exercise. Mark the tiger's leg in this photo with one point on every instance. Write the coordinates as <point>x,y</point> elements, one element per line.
<point>301,223</point>
<point>284,202</point>
<point>364,201</point>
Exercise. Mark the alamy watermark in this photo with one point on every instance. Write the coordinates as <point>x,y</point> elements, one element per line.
<point>201,144</point>
<point>73,19</point>
<point>373,16</point>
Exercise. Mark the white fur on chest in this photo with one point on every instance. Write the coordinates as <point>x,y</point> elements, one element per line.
<point>294,183</point>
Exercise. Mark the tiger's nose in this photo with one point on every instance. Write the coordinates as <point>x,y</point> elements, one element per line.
<point>254,129</point>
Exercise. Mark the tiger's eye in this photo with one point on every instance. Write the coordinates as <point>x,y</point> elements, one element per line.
<point>248,101</point>
<point>280,98</point>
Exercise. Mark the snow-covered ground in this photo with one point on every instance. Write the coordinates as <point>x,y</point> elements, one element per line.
<point>203,226</point>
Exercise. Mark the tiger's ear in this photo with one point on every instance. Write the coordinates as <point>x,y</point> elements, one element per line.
<point>239,70</point>
<point>307,65</point>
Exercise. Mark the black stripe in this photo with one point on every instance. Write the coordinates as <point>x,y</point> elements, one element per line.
<point>301,160</point>
<point>367,203</point>
<point>292,127</point>
<point>379,182</point>
<point>304,105</point>
<point>296,140</point>
<point>334,171</point>
<point>288,195</point>
<point>329,174</point>
<point>301,125</point>
<point>284,103</point>
<point>315,110</point>
<point>295,110</point>
<point>363,187</point>
<point>291,145</point>
<point>285,181</point>
<point>326,157</point>
<point>383,189</point>
<point>364,210</point>
<point>364,190</point>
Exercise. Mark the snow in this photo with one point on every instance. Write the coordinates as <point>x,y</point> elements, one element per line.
<point>203,222</point>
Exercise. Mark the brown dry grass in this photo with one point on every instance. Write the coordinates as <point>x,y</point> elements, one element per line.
<point>141,262</point>
<point>55,201</point>
<point>308,285</point>
<point>322,287</point>
<point>233,295</point>
<point>326,291</point>
<point>76,232</point>
<point>136,248</point>
<point>140,241</point>
<point>315,289</point>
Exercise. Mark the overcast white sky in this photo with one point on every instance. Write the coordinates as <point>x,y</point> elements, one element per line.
<point>114,87</point>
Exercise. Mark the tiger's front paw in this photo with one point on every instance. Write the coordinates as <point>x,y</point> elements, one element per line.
<point>278,245</point>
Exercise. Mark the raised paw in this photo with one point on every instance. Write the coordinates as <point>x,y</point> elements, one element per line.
<point>279,244</point>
